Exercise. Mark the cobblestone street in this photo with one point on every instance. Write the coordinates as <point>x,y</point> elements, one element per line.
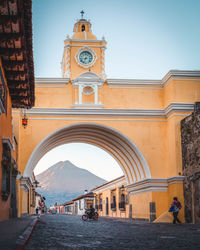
<point>70,232</point>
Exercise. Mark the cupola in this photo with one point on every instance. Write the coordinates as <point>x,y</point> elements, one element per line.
<point>82,29</point>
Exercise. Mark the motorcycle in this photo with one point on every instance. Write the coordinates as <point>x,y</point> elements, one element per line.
<point>87,215</point>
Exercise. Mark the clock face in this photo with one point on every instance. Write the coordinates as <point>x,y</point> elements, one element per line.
<point>85,57</point>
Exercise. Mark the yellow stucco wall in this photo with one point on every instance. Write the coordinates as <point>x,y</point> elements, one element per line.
<point>5,132</point>
<point>157,137</point>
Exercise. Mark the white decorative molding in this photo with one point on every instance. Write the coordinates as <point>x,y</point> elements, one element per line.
<point>56,81</point>
<point>110,185</point>
<point>87,105</point>
<point>87,79</point>
<point>161,113</point>
<point>90,45</point>
<point>85,48</point>
<point>25,183</point>
<point>153,185</point>
<point>181,75</point>
<point>85,41</point>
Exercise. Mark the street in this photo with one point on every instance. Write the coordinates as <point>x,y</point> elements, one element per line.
<point>56,231</point>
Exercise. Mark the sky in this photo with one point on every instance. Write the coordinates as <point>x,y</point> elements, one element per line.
<point>145,39</point>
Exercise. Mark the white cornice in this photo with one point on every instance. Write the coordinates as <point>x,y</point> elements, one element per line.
<point>84,41</point>
<point>163,113</point>
<point>87,105</point>
<point>25,183</point>
<point>153,184</point>
<point>134,82</point>
<point>89,45</point>
<point>45,80</point>
<point>180,75</point>
<point>109,185</point>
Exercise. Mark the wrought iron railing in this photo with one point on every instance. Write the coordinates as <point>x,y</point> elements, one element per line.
<point>113,206</point>
<point>3,94</point>
<point>122,205</point>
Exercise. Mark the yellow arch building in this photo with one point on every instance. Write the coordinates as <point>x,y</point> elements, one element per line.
<point>135,121</point>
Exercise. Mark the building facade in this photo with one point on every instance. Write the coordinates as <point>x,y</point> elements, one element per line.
<point>135,121</point>
<point>16,91</point>
<point>112,199</point>
<point>82,203</point>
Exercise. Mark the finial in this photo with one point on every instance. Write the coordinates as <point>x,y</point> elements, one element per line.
<point>82,13</point>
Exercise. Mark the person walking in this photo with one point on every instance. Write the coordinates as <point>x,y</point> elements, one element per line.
<point>175,208</point>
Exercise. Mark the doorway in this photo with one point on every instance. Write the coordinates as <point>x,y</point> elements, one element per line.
<point>107,206</point>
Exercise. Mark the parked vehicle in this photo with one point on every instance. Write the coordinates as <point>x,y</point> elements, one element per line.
<point>88,215</point>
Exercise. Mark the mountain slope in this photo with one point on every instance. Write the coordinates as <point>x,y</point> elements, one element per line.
<point>64,181</point>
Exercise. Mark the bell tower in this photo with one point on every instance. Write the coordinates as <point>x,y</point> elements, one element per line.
<point>83,52</point>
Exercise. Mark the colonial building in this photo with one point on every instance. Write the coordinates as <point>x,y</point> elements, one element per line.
<point>136,121</point>
<point>16,91</point>
<point>112,199</point>
<point>83,202</point>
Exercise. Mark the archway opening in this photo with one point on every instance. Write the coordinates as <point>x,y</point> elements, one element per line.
<point>119,146</point>
<point>84,156</point>
<point>70,170</point>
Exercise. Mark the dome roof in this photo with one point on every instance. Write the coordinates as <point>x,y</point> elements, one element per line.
<point>82,30</point>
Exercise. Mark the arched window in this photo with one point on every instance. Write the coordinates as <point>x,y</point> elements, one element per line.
<point>122,198</point>
<point>114,200</point>
<point>83,28</point>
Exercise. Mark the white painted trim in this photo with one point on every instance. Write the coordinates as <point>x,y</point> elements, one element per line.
<point>84,41</point>
<point>153,184</point>
<point>25,183</point>
<point>161,113</point>
<point>87,105</point>
<point>80,45</point>
<point>85,48</point>
<point>180,75</point>
<point>47,80</point>
<point>110,185</point>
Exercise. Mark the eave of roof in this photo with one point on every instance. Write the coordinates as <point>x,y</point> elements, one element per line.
<point>16,51</point>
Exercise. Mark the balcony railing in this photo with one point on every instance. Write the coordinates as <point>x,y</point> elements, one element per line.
<point>3,94</point>
<point>100,207</point>
<point>113,206</point>
<point>122,205</point>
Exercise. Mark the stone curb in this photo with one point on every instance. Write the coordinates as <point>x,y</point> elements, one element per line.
<point>23,239</point>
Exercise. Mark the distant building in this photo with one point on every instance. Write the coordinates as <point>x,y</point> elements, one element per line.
<point>69,207</point>
<point>83,202</point>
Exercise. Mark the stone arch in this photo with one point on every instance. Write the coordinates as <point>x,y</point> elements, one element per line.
<point>119,146</point>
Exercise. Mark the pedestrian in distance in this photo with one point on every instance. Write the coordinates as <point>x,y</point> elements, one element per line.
<point>36,210</point>
<point>175,208</point>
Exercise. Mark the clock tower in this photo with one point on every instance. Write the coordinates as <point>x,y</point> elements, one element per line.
<point>83,52</point>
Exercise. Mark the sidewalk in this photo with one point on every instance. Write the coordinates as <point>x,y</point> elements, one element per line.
<point>15,232</point>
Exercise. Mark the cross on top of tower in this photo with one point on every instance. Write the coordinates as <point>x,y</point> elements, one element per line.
<point>82,13</point>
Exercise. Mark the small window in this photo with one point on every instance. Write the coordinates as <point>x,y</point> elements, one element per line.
<point>6,169</point>
<point>83,28</point>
